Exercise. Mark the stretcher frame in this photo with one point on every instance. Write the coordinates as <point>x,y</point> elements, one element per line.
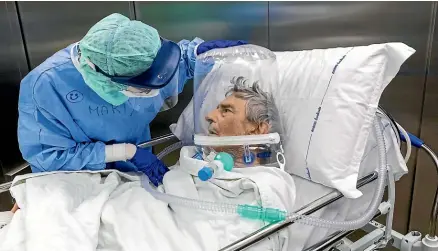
<point>337,241</point>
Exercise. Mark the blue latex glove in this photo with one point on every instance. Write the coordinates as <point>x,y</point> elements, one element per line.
<point>215,44</point>
<point>147,163</point>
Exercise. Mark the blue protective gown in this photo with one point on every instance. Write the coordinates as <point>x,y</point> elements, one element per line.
<point>64,125</point>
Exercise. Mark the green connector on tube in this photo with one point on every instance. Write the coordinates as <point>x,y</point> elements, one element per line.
<point>259,213</point>
<point>226,159</point>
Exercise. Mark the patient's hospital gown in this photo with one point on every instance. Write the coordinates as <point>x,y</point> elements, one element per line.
<point>264,186</point>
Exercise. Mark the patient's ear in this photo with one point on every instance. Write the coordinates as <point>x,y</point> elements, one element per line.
<point>262,128</point>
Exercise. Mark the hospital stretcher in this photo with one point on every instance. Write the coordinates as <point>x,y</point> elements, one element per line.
<point>374,239</point>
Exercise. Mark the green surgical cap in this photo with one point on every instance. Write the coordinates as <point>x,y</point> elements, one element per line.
<point>119,47</point>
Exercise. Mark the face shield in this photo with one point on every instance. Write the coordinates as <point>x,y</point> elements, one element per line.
<point>161,78</point>
<point>234,105</point>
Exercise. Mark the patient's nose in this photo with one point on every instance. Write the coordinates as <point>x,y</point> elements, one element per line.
<point>212,116</point>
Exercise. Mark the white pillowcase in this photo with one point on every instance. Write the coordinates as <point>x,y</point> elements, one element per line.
<point>327,100</point>
<point>328,104</point>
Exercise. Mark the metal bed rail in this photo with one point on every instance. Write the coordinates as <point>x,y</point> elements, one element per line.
<point>5,187</point>
<point>314,206</point>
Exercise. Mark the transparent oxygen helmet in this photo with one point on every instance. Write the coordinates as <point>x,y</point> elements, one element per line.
<point>235,110</point>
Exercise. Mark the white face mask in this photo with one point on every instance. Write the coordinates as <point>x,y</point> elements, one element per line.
<point>142,93</point>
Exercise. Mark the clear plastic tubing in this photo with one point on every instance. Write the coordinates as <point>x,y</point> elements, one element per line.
<point>374,205</point>
<point>186,202</point>
<point>275,215</point>
<point>245,211</point>
<point>169,149</point>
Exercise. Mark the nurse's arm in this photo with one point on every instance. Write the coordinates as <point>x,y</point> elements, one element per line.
<point>44,132</point>
<point>46,145</point>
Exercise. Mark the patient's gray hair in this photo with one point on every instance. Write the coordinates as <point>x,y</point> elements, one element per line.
<point>260,106</point>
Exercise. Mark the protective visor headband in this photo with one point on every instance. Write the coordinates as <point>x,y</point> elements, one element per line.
<point>160,73</point>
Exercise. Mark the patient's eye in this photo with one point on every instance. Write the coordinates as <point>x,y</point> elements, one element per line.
<point>225,109</point>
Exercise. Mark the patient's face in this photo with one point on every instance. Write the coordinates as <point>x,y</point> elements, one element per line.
<point>229,118</point>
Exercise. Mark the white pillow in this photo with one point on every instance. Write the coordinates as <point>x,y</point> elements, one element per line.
<point>328,102</point>
<point>329,96</point>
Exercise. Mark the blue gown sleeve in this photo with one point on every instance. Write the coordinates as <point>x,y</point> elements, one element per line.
<point>187,62</point>
<point>45,130</point>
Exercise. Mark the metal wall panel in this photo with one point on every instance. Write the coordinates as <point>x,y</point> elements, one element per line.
<point>310,25</point>
<point>207,20</point>
<point>13,67</point>
<point>51,26</point>
<point>426,175</point>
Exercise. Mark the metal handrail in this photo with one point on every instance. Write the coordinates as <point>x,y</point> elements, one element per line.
<point>17,169</point>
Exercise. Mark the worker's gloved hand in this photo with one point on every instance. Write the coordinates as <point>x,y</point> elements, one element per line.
<point>215,44</point>
<point>147,163</point>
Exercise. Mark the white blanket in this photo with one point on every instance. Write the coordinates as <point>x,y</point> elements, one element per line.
<point>89,211</point>
<point>111,211</point>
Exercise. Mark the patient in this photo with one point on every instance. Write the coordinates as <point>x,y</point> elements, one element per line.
<point>246,110</point>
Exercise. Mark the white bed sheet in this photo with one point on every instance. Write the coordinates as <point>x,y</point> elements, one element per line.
<point>122,196</point>
<point>109,210</point>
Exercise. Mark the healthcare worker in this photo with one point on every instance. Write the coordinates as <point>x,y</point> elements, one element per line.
<point>89,105</point>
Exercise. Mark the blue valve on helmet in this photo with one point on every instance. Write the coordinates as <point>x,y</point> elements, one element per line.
<point>205,173</point>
